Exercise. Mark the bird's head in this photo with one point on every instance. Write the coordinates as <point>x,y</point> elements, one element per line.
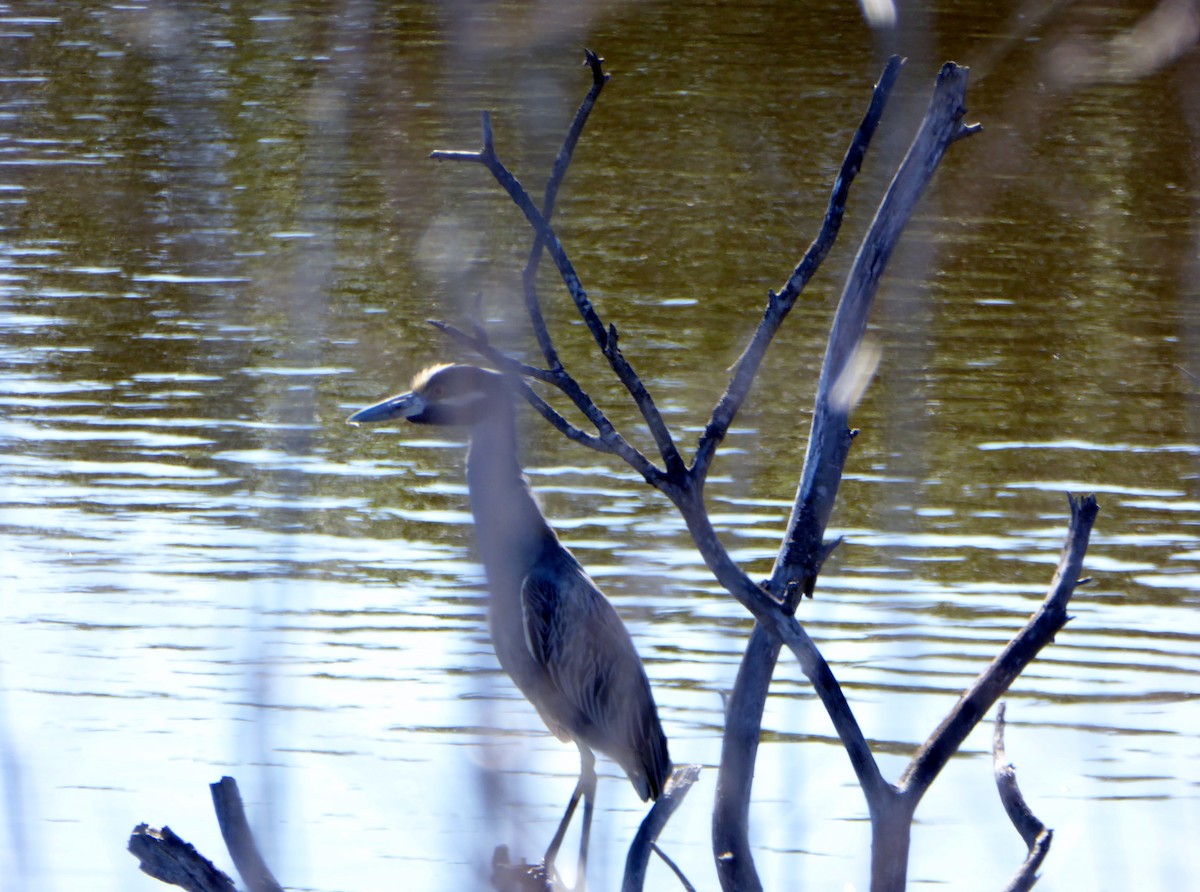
<point>445,395</point>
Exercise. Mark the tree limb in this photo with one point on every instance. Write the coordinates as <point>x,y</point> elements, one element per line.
<point>644,842</point>
<point>803,550</point>
<point>779,305</point>
<point>164,856</point>
<point>561,162</point>
<point>1037,835</point>
<point>991,684</point>
<point>235,830</point>
<point>1015,806</point>
<point>605,338</point>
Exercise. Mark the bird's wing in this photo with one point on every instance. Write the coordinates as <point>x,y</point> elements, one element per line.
<point>574,633</point>
<point>539,600</point>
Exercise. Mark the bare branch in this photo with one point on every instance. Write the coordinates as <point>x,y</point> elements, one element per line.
<point>1026,876</point>
<point>675,868</point>
<point>166,857</point>
<point>479,343</point>
<point>644,842</point>
<point>1037,835</point>
<point>779,305</point>
<point>803,549</point>
<point>608,441</point>
<point>605,338</point>
<point>561,162</point>
<point>235,830</point>
<point>827,444</point>
<point>996,679</point>
<point>1015,806</point>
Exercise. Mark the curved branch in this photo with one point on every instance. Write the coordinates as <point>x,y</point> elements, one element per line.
<point>608,439</point>
<point>638,858</point>
<point>1011,662</point>
<point>1015,806</point>
<point>235,830</point>
<point>1037,835</point>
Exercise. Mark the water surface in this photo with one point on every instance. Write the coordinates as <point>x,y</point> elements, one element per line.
<point>220,234</point>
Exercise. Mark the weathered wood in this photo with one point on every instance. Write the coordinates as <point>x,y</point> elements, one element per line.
<point>1015,806</point>
<point>1037,835</point>
<point>164,856</point>
<point>991,684</point>
<point>235,830</point>
<point>803,550</point>
<point>645,841</point>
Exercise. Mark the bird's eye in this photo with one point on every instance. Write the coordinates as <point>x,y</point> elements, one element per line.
<point>438,391</point>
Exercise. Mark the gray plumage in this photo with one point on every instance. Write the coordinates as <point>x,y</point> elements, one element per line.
<point>555,634</point>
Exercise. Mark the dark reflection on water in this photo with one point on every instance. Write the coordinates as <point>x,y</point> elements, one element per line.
<point>219,232</point>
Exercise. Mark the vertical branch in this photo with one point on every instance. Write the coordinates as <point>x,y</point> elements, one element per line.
<point>561,162</point>
<point>235,830</point>
<point>1037,835</point>
<point>827,445</point>
<point>803,549</point>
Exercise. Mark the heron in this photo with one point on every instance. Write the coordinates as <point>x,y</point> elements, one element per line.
<point>554,632</point>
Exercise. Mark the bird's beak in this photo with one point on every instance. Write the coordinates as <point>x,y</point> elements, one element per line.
<point>405,405</point>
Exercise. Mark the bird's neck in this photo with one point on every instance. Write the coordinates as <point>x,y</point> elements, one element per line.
<point>509,525</point>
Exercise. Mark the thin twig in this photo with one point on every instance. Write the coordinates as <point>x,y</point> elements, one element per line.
<point>779,305</point>
<point>675,868</point>
<point>609,441</point>
<point>561,162</point>
<point>1037,835</point>
<point>1015,806</point>
<point>605,338</point>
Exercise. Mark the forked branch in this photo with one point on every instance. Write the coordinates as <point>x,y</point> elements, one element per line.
<point>745,370</point>
<point>605,338</point>
<point>804,548</point>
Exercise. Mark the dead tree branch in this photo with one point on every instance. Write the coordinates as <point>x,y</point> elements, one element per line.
<point>645,842</point>
<point>745,370</point>
<point>1037,835</point>
<point>804,548</point>
<point>991,684</point>
<point>561,162</point>
<point>606,338</point>
<point>164,856</point>
<point>235,830</point>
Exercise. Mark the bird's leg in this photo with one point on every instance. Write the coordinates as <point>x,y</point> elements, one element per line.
<point>587,780</point>
<point>585,787</point>
<point>556,842</point>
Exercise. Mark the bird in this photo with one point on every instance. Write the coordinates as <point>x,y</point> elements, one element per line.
<point>554,632</point>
